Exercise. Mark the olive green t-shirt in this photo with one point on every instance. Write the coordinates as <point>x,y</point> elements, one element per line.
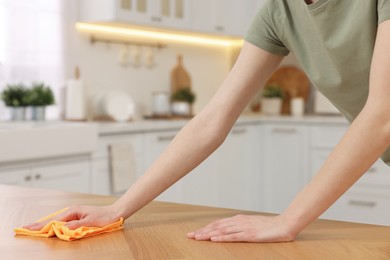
<point>333,41</point>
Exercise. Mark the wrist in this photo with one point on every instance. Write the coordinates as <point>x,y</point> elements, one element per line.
<point>292,226</point>
<point>118,210</point>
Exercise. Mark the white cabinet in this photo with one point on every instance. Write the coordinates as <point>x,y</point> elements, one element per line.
<point>101,173</point>
<point>200,186</point>
<point>369,206</point>
<point>156,13</point>
<point>155,144</point>
<point>222,17</point>
<point>225,17</point>
<point>67,176</point>
<point>230,177</point>
<point>16,177</point>
<point>240,177</point>
<point>285,160</point>
<point>367,200</point>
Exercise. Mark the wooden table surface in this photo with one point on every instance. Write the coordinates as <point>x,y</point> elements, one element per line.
<point>159,231</point>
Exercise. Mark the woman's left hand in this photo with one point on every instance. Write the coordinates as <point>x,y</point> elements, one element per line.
<point>245,228</point>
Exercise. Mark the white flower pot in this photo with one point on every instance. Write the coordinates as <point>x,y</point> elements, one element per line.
<point>271,106</point>
<point>181,108</point>
<point>38,113</point>
<point>18,113</point>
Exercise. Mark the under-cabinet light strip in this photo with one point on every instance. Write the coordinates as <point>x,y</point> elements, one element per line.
<point>153,35</point>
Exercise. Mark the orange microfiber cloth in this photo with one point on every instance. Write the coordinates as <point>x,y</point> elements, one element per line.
<point>57,228</point>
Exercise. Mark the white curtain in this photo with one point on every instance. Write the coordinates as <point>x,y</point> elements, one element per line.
<point>32,45</point>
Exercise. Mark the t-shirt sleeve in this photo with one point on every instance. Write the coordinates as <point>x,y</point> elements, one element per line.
<point>263,32</point>
<point>383,10</point>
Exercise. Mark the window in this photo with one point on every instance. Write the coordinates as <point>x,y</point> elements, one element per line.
<point>32,45</point>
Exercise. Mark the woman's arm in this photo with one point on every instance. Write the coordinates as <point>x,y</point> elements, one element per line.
<point>193,144</point>
<point>367,138</point>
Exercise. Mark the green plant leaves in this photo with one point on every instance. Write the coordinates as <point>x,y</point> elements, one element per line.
<point>185,95</point>
<point>18,95</point>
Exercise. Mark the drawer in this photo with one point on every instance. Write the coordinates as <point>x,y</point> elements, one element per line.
<point>326,136</point>
<point>361,208</point>
<point>378,174</point>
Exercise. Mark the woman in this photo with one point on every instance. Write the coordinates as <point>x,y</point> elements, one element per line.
<point>344,48</point>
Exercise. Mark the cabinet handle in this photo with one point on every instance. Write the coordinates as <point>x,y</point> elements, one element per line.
<point>38,176</point>
<point>239,131</point>
<point>360,203</point>
<point>284,130</point>
<point>165,138</point>
<point>219,28</point>
<point>156,19</point>
<point>27,178</point>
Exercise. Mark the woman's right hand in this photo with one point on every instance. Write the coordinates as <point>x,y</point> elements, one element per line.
<point>77,216</point>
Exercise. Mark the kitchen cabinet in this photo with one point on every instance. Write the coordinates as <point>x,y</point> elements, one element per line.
<point>220,17</point>
<point>369,206</point>
<point>157,13</point>
<point>101,174</point>
<point>367,200</point>
<point>155,144</point>
<point>239,161</point>
<point>67,176</point>
<point>230,177</point>
<point>224,17</point>
<point>285,160</point>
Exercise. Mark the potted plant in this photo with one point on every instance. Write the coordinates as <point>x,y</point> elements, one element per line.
<point>14,97</point>
<point>38,97</point>
<point>182,101</point>
<point>272,99</point>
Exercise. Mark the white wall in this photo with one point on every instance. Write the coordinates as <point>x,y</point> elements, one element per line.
<point>101,71</point>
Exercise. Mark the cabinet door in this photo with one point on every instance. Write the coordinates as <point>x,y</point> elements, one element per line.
<point>18,177</point>
<point>131,165</point>
<point>170,13</point>
<point>167,13</point>
<point>239,173</point>
<point>370,207</point>
<point>133,11</point>
<point>223,17</point>
<point>100,177</point>
<point>284,164</point>
<point>69,176</point>
<point>251,9</point>
<point>200,186</point>
<point>155,144</point>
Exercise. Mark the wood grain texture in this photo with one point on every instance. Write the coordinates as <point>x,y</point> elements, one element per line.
<point>180,78</point>
<point>159,231</point>
<point>293,81</point>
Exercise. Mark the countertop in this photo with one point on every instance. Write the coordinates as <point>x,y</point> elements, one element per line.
<point>174,124</point>
<point>159,230</point>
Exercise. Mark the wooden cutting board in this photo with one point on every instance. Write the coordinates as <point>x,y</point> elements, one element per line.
<point>180,78</point>
<point>294,82</point>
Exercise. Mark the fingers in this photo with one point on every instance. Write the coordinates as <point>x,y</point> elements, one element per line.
<point>68,215</point>
<point>74,224</point>
<point>215,230</point>
<point>36,226</point>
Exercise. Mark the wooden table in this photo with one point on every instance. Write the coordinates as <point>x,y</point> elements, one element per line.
<point>159,232</point>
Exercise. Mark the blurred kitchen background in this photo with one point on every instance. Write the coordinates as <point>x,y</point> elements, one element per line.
<point>114,66</point>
